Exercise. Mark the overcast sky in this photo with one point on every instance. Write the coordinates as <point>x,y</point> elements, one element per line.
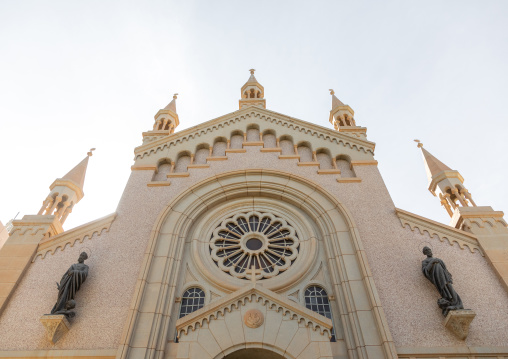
<point>76,75</point>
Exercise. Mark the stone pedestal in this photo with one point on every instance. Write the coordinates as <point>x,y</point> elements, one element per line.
<point>56,326</point>
<point>458,321</point>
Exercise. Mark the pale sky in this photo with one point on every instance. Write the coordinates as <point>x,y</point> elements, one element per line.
<point>76,75</point>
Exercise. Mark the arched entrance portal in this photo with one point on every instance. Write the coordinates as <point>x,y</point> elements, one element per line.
<point>253,353</point>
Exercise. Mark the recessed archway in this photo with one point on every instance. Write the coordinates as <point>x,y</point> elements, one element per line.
<point>253,353</point>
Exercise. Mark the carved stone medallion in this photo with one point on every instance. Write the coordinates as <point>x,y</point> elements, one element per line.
<point>253,318</point>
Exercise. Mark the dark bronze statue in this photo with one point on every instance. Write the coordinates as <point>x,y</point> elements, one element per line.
<point>435,271</point>
<point>69,285</point>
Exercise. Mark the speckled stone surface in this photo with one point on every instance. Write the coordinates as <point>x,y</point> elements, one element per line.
<point>408,299</point>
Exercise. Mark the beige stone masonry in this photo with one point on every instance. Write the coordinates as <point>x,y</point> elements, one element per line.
<point>19,249</point>
<point>198,166</point>
<point>280,326</point>
<point>491,231</point>
<point>178,174</point>
<point>458,321</point>
<point>299,129</point>
<point>289,157</point>
<point>60,354</point>
<point>308,164</point>
<point>72,236</point>
<point>442,231</point>
<point>254,293</point>
<point>235,150</point>
<point>328,172</point>
<point>158,184</point>
<point>143,168</point>
<point>151,318</point>
<point>349,180</point>
<point>254,143</point>
<point>462,352</point>
<point>56,326</point>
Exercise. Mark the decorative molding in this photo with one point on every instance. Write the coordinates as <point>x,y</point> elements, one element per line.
<point>289,157</point>
<point>275,149</point>
<point>349,179</point>
<point>254,143</point>
<point>260,115</point>
<point>158,183</point>
<point>74,235</point>
<point>253,293</point>
<point>143,168</point>
<point>453,352</point>
<point>308,164</point>
<point>235,150</point>
<point>178,174</point>
<point>201,165</point>
<point>217,158</point>
<point>364,163</point>
<point>329,172</point>
<point>442,231</point>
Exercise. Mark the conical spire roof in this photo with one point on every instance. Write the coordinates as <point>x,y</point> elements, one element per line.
<point>77,174</point>
<point>433,166</point>
<point>172,105</point>
<point>252,78</point>
<point>335,101</point>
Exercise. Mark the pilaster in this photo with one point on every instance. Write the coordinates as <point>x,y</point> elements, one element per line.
<point>19,249</point>
<point>491,230</point>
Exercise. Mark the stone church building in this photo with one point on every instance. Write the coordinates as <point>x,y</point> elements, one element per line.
<point>257,235</point>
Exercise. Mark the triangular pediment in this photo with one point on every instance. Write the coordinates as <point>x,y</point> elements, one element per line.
<point>250,114</point>
<point>253,293</point>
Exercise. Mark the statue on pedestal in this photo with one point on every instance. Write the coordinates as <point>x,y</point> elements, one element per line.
<point>435,271</point>
<point>69,285</point>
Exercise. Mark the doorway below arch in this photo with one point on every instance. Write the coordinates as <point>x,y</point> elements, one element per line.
<point>253,353</point>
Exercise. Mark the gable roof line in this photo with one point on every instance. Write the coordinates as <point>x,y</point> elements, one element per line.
<point>238,298</point>
<point>300,125</point>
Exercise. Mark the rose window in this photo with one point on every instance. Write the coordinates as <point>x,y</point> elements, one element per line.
<point>262,241</point>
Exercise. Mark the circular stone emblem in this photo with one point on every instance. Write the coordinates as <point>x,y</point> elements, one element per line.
<point>253,318</point>
<point>262,241</point>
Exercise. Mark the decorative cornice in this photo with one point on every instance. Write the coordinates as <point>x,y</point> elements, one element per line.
<point>262,114</point>
<point>442,231</point>
<point>73,235</point>
<point>253,293</point>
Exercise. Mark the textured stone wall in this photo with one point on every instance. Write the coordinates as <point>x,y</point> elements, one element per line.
<point>393,252</point>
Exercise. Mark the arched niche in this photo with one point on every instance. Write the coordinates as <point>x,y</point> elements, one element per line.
<point>361,315</point>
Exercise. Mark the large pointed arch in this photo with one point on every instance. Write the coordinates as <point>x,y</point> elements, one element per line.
<point>146,329</point>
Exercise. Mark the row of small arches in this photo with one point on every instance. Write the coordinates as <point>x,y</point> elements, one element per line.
<point>268,138</point>
<point>316,299</point>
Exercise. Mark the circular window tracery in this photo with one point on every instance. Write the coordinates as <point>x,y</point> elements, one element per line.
<point>254,239</point>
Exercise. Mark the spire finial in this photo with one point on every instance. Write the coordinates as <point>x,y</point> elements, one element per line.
<point>420,145</point>
<point>175,95</point>
<point>252,71</point>
<point>331,92</point>
<point>89,153</point>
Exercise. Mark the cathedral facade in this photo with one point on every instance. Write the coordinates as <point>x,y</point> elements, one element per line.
<point>257,235</point>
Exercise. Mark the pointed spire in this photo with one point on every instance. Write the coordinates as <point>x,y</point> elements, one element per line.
<point>252,93</point>
<point>166,121</point>
<point>433,166</point>
<point>449,183</point>
<point>172,105</point>
<point>77,174</point>
<point>66,192</point>
<point>342,116</point>
<point>335,101</point>
<point>252,78</point>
